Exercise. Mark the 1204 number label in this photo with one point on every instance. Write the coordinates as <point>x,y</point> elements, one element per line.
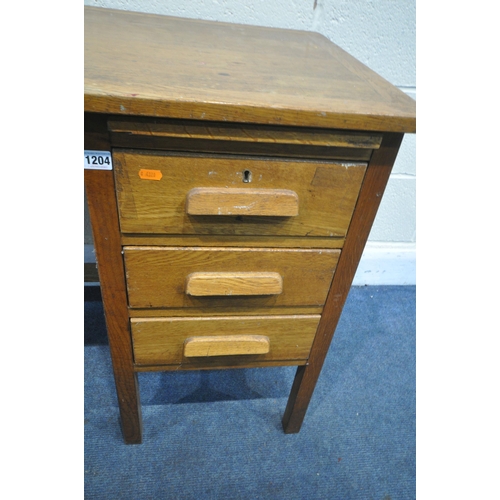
<point>97,160</point>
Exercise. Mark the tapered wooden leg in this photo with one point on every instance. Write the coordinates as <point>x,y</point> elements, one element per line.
<point>99,185</point>
<point>127,390</point>
<point>374,183</point>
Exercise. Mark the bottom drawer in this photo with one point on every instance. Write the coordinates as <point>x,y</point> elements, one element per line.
<point>223,341</point>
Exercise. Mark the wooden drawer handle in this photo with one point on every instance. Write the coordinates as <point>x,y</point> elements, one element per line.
<point>226,345</point>
<point>211,284</point>
<point>237,201</point>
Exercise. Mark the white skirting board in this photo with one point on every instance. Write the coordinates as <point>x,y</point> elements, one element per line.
<point>381,264</point>
<point>387,264</point>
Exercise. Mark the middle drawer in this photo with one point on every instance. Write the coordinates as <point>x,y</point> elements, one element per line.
<point>196,277</point>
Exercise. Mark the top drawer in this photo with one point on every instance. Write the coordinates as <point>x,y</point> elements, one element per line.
<point>209,195</point>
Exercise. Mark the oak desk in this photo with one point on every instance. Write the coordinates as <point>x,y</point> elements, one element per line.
<point>238,173</point>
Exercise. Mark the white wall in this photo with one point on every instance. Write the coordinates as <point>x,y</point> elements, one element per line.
<point>381,34</point>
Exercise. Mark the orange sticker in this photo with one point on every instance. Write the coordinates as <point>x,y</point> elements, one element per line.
<point>150,175</point>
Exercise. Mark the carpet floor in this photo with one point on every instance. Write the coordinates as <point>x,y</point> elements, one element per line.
<point>217,434</point>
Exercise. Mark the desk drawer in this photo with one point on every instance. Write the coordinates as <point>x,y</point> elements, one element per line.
<point>166,341</point>
<point>199,277</point>
<point>160,193</point>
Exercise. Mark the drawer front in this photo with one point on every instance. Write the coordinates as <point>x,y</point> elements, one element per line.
<point>165,194</point>
<point>172,341</point>
<point>198,277</point>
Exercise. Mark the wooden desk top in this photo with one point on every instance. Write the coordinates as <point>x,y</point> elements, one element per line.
<point>151,65</point>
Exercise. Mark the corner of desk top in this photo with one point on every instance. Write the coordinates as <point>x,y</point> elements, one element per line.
<point>126,81</point>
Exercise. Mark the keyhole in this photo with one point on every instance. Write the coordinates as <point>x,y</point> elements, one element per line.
<point>247,176</point>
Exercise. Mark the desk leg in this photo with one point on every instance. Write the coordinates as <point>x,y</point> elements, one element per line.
<point>101,197</point>
<point>374,183</point>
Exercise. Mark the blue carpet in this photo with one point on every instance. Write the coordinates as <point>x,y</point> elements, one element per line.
<point>218,435</point>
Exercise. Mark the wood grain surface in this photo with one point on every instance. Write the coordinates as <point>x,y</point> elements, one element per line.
<point>327,192</point>
<point>243,283</point>
<point>152,65</point>
<point>238,201</point>
<point>161,340</point>
<point>225,137</point>
<point>182,144</point>
<point>221,310</point>
<point>156,276</point>
<point>194,240</point>
<point>234,132</point>
<point>226,345</point>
